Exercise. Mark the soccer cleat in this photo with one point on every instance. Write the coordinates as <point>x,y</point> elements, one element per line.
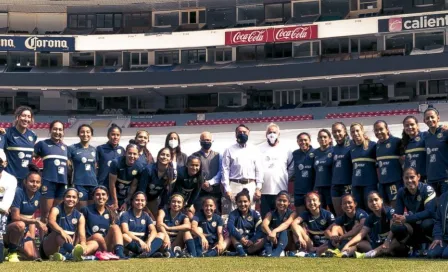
<point>283,254</point>
<point>102,256</point>
<point>230,254</point>
<point>89,258</point>
<point>13,257</point>
<point>301,254</point>
<point>156,255</point>
<point>57,257</point>
<point>360,255</point>
<point>345,254</point>
<point>77,253</point>
<point>291,253</point>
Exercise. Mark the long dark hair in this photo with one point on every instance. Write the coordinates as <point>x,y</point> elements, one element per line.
<point>405,138</point>
<point>146,152</point>
<point>177,150</point>
<point>383,209</point>
<point>19,112</point>
<point>112,214</point>
<point>198,175</point>
<point>170,171</point>
<point>347,136</point>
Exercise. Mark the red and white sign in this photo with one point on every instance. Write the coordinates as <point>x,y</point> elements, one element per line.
<point>395,24</point>
<point>265,35</point>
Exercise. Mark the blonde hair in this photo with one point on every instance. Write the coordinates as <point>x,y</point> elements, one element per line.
<point>366,138</point>
<point>272,125</point>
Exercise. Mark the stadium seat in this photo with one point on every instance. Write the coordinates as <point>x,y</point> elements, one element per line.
<point>243,120</point>
<point>370,113</point>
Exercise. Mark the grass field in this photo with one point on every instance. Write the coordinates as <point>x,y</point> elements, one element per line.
<point>236,265</point>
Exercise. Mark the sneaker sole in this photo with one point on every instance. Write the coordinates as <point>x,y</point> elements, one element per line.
<point>77,253</point>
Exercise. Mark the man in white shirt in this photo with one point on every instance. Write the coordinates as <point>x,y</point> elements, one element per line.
<point>241,168</point>
<point>8,185</point>
<point>278,166</point>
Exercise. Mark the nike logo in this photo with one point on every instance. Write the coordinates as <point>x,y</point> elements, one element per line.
<point>16,137</point>
<point>50,146</point>
<point>375,223</point>
<point>131,220</point>
<point>77,153</point>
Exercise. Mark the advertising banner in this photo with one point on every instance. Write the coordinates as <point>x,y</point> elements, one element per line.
<point>398,24</point>
<point>35,43</point>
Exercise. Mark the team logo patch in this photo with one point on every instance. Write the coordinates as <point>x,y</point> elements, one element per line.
<point>311,155</point>
<point>417,139</point>
<point>335,157</point>
<point>323,222</point>
<point>57,162</point>
<point>2,190</point>
<point>347,143</point>
<point>80,194</point>
<point>249,218</point>
<point>106,216</point>
<point>63,147</point>
<point>316,163</point>
<point>93,154</point>
<point>30,138</point>
<point>380,164</point>
<point>428,150</point>
<point>388,145</point>
<point>143,221</point>
<point>36,203</point>
<point>84,159</point>
<point>330,155</point>
<point>44,188</point>
<point>119,151</point>
<point>108,163</point>
<point>419,198</point>
<point>300,166</point>
<point>439,135</point>
<point>134,172</point>
<point>95,228</point>
<point>214,224</point>
<point>74,221</point>
<point>176,222</point>
<point>21,155</point>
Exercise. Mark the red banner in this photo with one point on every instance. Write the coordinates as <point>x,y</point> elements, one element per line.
<point>268,35</point>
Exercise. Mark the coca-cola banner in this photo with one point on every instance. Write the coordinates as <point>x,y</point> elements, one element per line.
<point>265,35</point>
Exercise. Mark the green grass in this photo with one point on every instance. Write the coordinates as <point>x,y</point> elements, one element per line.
<point>236,265</point>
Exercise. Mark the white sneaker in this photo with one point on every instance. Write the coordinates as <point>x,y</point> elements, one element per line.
<point>282,254</point>
<point>300,254</point>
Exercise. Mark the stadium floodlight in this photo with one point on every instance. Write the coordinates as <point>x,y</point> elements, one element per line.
<point>15,89</point>
<point>130,88</point>
<point>427,71</point>
<point>396,73</point>
<point>267,82</point>
<point>74,89</point>
<point>99,89</point>
<point>299,79</point>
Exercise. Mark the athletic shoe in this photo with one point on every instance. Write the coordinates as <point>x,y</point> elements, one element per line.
<point>178,252</point>
<point>89,258</point>
<point>300,254</point>
<point>57,257</point>
<point>311,255</point>
<point>282,254</point>
<point>230,254</point>
<point>102,256</point>
<point>167,254</point>
<point>345,254</point>
<point>112,256</point>
<point>360,255</point>
<point>291,253</point>
<point>157,255</point>
<point>13,257</point>
<point>77,253</point>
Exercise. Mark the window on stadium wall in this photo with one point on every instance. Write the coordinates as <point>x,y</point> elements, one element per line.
<point>109,20</point>
<point>277,12</point>
<point>108,58</point>
<point>373,91</point>
<point>250,53</point>
<point>334,9</point>
<point>286,97</point>
<point>6,105</point>
<point>319,94</point>
<point>3,59</point>
<point>167,57</point>
<point>306,49</point>
<point>49,59</point>
<point>437,87</point>
<point>400,41</point>
<point>175,102</point>
<point>120,102</point>
<point>193,17</point>
<point>425,3</point>
<point>223,54</point>
<point>303,8</point>
<point>21,59</point>
<point>193,56</point>
<point>82,59</point>
<point>139,58</point>
<point>81,21</point>
<point>260,99</point>
<point>230,99</point>
<point>137,22</point>
<point>166,19</point>
<point>335,46</point>
<point>278,50</point>
<point>429,40</point>
<point>202,100</point>
<point>221,17</point>
<point>349,93</point>
<point>253,12</point>
<point>363,4</point>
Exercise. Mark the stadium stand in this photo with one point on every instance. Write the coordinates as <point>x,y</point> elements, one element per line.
<point>288,118</point>
<point>371,114</point>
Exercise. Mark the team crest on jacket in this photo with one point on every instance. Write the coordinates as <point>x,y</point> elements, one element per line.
<point>249,218</point>
<point>74,221</point>
<point>417,139</point>
<point>62,147</point>
<point>134,172</point>
<point>30,138</point>
<point>143,221</point>
<point>44,189</point>
<point>214,224</point>
<point>176,222</point>
<point>119,151</point>
<point>80,194</point>
<point>439,135</point>
<point>419,198</point>
<point>311,155</point>
<point>330,155</point>
<point>323,222</point>
<point>93,153</point>
<point>36,203</point>
<point>300,167</point>
<point>106,216</point>
<point>388,145</point>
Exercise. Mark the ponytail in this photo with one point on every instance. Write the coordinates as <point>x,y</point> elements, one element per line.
<point>405,138</point>
<point>366,138</point>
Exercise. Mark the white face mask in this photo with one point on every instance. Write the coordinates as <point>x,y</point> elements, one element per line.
<point>272,137</point>
<point>173,143</point>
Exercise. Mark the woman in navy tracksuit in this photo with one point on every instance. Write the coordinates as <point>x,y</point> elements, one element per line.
<point>438,248</point>
<point>413,145</point>
<point>341,182</point>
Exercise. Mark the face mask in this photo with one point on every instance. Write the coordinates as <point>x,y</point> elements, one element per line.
<point>242,138</point>
<point>272,138</point>
<point>173,143</point>
<point>206,145</point>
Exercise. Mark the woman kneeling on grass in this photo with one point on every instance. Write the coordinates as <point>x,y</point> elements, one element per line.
<point>103,233</point>
<point>176,226</point>
<point>276,225</point>
<point>21,226</point>
<point>207,227</point>
<point>244,226</point>
<point>346,227</point>
<point>309,227</point>
<point>67,225</point>
<point>377,228</point>
<point>139,232</point>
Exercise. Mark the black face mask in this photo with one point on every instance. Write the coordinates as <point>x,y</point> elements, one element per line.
<point>206,145</point>
<point>242,138</point>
